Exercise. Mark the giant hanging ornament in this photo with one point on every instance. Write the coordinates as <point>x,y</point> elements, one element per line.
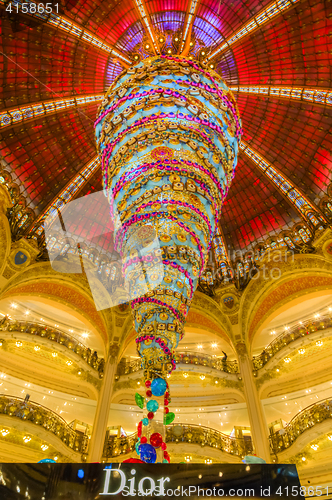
<point>167,133</point>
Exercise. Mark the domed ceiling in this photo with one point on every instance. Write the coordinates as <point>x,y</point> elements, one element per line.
<point>275,56</point>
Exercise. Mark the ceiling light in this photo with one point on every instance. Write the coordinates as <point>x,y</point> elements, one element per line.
<point>208,461</point>
<point>27,313</point>
<point>85,335</point>
<point>37,348</point>
<point>301,351</point>
<point>54,354</point>
<point>13,305</point>
<point>248,468</point>
<point>277,370</point>
<point>136,57</point>
<point>161,40</point>
<point>191,44</point>
<point>44,447</point>
<point>317,315</point>
<point>55,458</point>
<point>319,343</point>
<point>211,66</point>
<point>4,432</point>
<point>273,332</point>
<point>329,437</point>
<point>202,377</point>
<point>314,447</point>
<point>185,375</point>
<point>220,474</point>
<point>203,53</point>
<point>18,343</point>
<point>287,360</point>
<point>214,345</point>
<point>286,327</point>
<point>303,459</point>
<point>169,51</point>
<point>26,439</point>
<point>199,346</point>
<point>69,363</point>
<point>176,39</point>
<point>147,46</point>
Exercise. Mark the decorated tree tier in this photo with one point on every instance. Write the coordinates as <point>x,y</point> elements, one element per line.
<point>167,133</point>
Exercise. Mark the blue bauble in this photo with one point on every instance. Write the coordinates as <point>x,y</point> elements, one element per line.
<point>158,387</point>
<point>47,461</point>
<point>145,421</point>
<point>148,453</point>
<point>152,405</point>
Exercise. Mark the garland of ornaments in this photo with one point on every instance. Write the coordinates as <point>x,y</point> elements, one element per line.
<point>150,443</point>
<point>167,133</point>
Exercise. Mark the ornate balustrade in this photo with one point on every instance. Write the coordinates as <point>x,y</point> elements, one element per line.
<point>56,335</point>
<point>179,433</point>
<point>304,420</point>
<point>127,367</point>
<point>44,417</point>
<point>308,327</point>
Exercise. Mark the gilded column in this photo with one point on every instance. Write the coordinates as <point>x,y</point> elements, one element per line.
<point>258,425</point>
<point>96,444</point>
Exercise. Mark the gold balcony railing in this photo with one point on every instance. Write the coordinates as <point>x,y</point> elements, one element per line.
<point>308,327</point>
<point>44,417</point>
<point>304,420</point>
<point>186,358</point>
<point>181,433</point>
<point>56,335</point>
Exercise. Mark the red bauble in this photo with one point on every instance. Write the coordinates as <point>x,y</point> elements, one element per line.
<point>149,394</point>
<point>156,439</point>
<point>139,429</point>
<point>166,402</point>
<point>144,440</point>
<point>150,415</point>
<point>133,461</point>
<point>163,446</point>
<point>147,383</point>
<point>167,457</point>
<point>166,410</point>
<point>166,394</point>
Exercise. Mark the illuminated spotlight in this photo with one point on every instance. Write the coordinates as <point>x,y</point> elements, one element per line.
<point>286,327</point>
<point>329,437</point>
<point>216,381</point>
<point>54,354</point>
<point>203,53</point>
<point>188,458</point>
<point>319,343</point>
<point>199,346</point>
<point>303,459</point>
<point>26,439</point>
<point>330,308</point>
<point>161,40</point>
<point>55,458</point>
<point>211,66</point>
<point>208,461</point>
<point>220,474</point>
<point>317,315</point>
<point>85,335</point>
<point>147,46</point>
<point>202,377</point>
<point>273,332</point>
<point>79,372</point>
<point>191,44</point>
<point>27,313</point>
<point>287,360</point>
<point>199,476</point>
<point>18,343</point>
<point>69,363</point>
<point>185,375</point>
<point>176,39</point>
<point>44,447</point>
<point>169,51</point>
<point>71,331</point>
<point>301,351</point>
<point>138,383</point>
<point>37,348</point>
<point>4,432</point>
<point>136,57</point>
<point>314,447</point>
<point>277,370</point>
<point>214,345</point>
<point>13,305</point>
<point>248,468</point>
